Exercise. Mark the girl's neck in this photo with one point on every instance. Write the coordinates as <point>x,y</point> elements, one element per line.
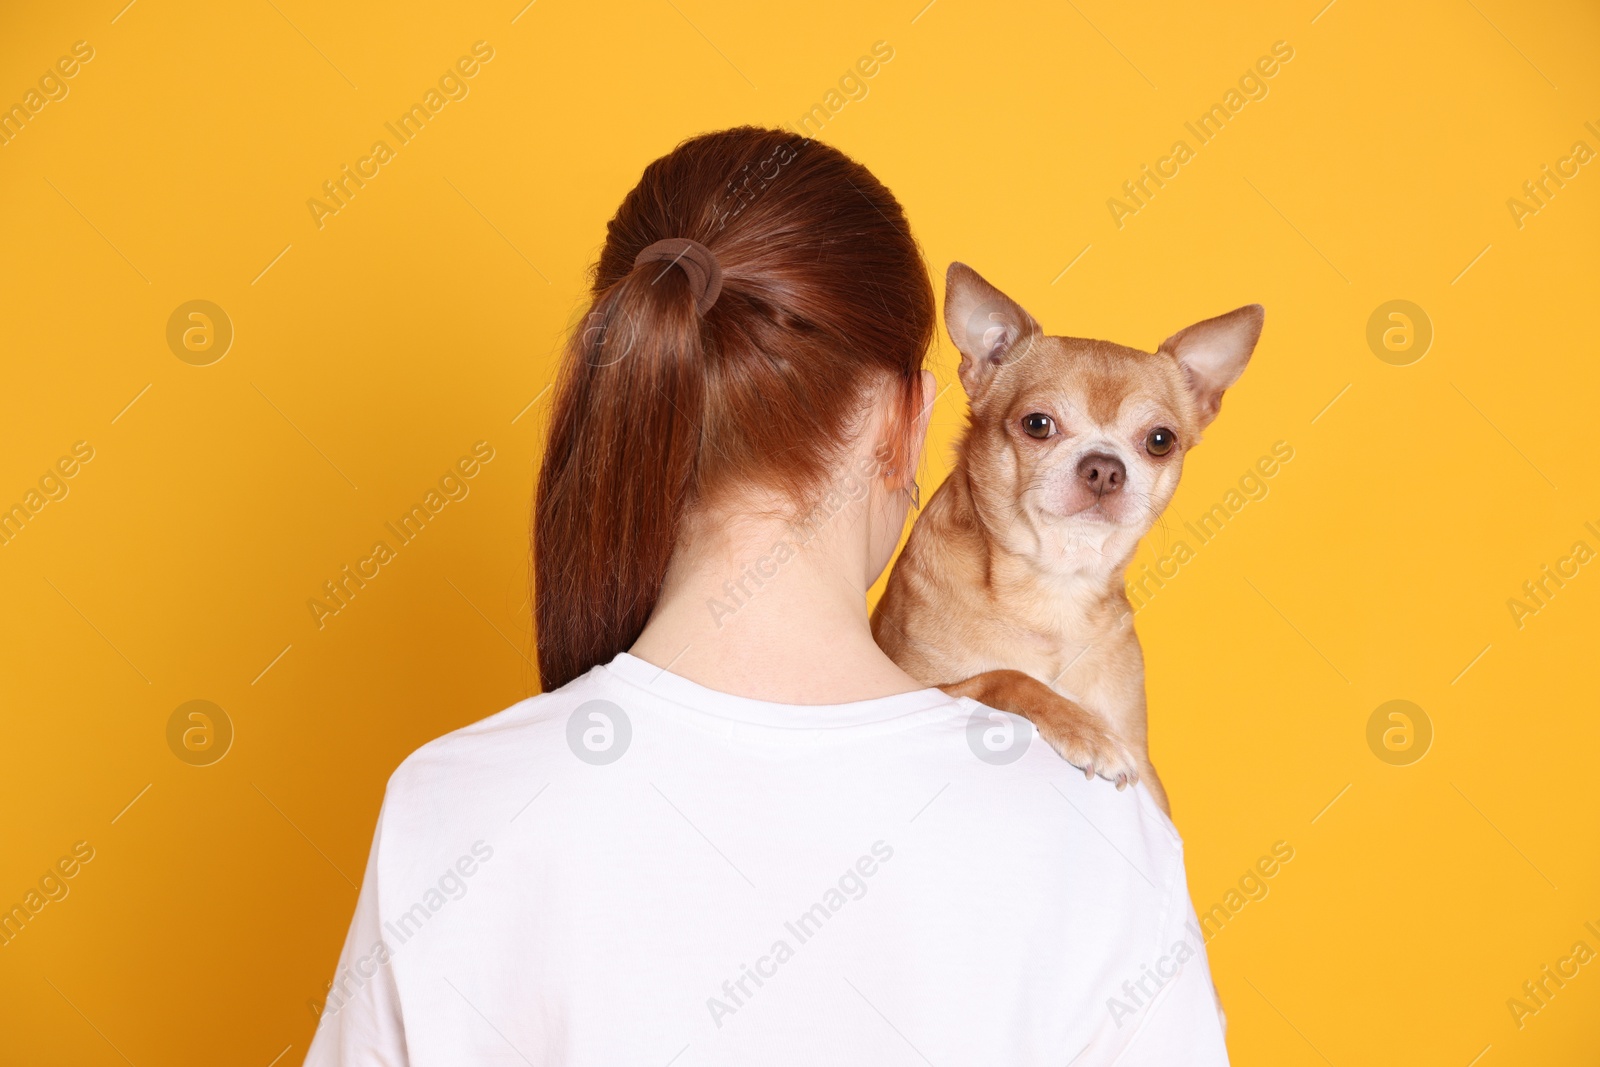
<point>747,610</point>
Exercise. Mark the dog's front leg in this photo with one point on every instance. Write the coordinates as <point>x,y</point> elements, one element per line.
<point>1081,737</point>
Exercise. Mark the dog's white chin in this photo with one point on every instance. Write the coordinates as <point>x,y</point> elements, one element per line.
<point>1093,515</point>
<point>1093,528</point>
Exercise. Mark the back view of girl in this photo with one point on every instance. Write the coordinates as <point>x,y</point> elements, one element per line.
<point>731,831</point>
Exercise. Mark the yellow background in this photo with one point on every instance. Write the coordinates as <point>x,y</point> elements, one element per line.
<point>425,316</point>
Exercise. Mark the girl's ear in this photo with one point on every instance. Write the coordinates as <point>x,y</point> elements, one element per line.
<point>917,432</point>
<point>929,394</point>
<point>900,442</point>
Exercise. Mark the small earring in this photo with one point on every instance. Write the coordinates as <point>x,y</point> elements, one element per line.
<point>916,496</point>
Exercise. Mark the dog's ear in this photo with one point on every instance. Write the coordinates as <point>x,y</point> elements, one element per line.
<point>1213,354</point>
<point>987,326</point>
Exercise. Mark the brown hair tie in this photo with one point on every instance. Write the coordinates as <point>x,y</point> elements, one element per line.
<point>697,261</point>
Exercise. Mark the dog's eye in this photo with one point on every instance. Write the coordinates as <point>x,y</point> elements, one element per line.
<point>1038,425</point>
<point>1160,441</point>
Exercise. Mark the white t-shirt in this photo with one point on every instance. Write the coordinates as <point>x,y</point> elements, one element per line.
<point>635,869</point>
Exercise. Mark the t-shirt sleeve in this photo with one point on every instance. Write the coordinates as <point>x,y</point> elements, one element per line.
<point>361,1024</point>
<point>1184,1023</point>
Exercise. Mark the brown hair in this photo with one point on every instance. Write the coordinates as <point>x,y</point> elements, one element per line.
<point>824,294</point>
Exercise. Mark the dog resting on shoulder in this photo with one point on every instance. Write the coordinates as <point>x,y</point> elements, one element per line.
<point>1012,580</point>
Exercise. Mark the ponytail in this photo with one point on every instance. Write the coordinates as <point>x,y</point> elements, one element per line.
<point>618,471</point>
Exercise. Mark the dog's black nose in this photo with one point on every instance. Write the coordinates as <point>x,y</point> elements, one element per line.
<point>1102,473</point>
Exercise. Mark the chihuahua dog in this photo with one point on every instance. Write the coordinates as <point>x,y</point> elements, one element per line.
<point>1010,589</point>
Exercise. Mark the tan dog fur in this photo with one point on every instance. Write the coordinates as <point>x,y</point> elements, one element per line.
<point>1010,589</point>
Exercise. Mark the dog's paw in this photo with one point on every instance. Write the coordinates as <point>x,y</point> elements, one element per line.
<point>1087,744</point>
<point>1080,736</point>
